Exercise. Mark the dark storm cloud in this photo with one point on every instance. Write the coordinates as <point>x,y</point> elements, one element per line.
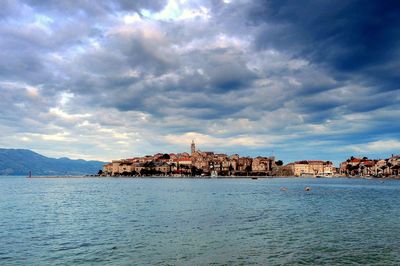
<point>346,36</point>
<point>95,8</point>
<point>351,43</point>
<point>154,5</point>
<point>226,77</point>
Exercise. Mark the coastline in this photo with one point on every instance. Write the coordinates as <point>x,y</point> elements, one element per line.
<point>217,177</point>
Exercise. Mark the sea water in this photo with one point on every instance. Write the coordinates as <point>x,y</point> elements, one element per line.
<point>131,221</point>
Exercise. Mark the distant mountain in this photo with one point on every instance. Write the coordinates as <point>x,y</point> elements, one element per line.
<point>20,162</point>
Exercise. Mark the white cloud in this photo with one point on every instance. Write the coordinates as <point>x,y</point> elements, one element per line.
<point>390,146</point>
<point>65,97</point>
<point>56,111</point>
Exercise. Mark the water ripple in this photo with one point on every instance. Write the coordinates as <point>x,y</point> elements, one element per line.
<point>199,222</point>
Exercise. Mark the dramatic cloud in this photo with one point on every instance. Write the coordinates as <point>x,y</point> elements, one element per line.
<point>110,79</point>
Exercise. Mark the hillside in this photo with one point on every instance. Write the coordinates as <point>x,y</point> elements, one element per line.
<point>20,162</point>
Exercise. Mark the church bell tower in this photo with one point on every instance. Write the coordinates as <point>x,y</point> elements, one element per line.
<point>193,147</point>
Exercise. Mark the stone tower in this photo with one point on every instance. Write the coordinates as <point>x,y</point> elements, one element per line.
<point>193,147</point>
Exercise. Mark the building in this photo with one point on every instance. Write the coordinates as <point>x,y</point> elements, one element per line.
<point>311,168</point>
<point>162,167</point>
<point>196,163</point>
<point>107,169</point>
<point>367,167</point>
<point>244,164</point>
<point>193,147</point>
<point>261,165</point>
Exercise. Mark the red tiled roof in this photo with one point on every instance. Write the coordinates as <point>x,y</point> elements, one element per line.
<point>182,160</point>
<point>369,163</point>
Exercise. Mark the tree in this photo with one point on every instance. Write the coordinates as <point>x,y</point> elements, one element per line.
<point>383,167</point>
<point>133,173</point>
<point>196,171</point>
<point>248,169</point>
<point>362,167</point>
<point>143,171</point>
<point>184,166</point>
<point>149,164</point>
<point>230,169</point>
<point>100,172</point>
<point>395,169</point>
<point>389,165</point>
<point>279,163</point>
<point>368,167</point>
<point>348,168</point>
<point>193,170</point>
<point>166,156</point>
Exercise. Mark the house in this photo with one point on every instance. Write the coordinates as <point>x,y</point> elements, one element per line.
<point>312,168</point>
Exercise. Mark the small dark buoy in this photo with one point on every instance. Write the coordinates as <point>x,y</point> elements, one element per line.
<point>307,188</point>
<point>114,248</point>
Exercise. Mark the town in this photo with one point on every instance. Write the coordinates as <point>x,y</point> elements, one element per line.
<point>210,164</point>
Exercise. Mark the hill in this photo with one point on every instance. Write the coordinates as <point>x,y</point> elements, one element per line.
<point>21,161</point>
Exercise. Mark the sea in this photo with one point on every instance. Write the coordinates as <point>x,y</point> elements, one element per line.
<point>167,221</point>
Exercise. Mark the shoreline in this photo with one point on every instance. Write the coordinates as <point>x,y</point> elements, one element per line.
<point>217,177</point>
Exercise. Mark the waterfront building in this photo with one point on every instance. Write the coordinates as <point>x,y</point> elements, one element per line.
<point>367,167</point>
<point>220,157</point>
<point>107,169</point>
<point>394,165</point>
<point>261,165</point>
<point>311,168</point>
<point>115,167</point>
<point>195,163</point>
<point>234,157</point>
<point>201,162</point>
<point>244,164</point>
<point>183,161</point>
<point>125,167</point>
<point>162,167</point>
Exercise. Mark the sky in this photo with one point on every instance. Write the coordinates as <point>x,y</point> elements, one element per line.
<point>116,79</point>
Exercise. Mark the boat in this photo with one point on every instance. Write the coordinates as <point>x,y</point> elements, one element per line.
<point>254,177</point>
<point>325,175</point>
<point>214,173</point>
<point>29,174</point>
